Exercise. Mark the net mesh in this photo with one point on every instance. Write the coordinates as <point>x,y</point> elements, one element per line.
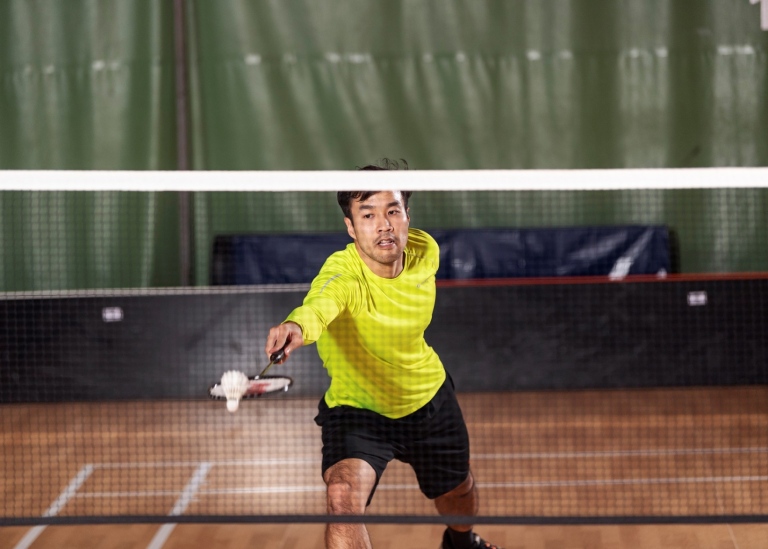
<point>607,348</point>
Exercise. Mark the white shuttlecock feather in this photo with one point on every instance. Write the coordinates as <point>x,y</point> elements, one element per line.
<point>234,384</point>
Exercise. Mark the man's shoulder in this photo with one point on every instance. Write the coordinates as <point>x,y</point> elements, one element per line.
<point>339,270</point>
<point>422,242</point>
<point>423,250</point>
<point>344,260</point>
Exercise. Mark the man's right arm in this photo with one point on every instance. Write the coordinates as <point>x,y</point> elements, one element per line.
<point>330,294</point>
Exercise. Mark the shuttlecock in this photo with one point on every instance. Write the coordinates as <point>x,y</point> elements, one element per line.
<point>234,384</point>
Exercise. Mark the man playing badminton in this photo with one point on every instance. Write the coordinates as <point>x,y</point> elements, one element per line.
<point>389,397</point>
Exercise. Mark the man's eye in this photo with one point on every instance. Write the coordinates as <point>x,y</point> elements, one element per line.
<point>367,216</point>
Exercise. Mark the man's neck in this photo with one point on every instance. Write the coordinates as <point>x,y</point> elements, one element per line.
<point>383,270</point>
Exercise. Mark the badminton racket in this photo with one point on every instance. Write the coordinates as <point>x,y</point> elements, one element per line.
<point>255,386</point>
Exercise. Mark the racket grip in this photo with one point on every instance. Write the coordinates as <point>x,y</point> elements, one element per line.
<point>278,356</point>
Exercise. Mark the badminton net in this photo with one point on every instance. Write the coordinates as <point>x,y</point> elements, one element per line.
<point>605,331</point>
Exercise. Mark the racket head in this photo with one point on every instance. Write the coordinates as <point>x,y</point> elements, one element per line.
<point>257,386</point>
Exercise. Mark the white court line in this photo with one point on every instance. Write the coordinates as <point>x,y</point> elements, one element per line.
<point>192,487</point>
<point>265,490</point>
<point>516,484</point>
<point>521,484</point>
<point>69,492</point>
<point>621,482</point>
<point>623,453</point>
<point>293,489</point>
<point>513,455</point>
<point>226,462</point>
<point>124,494</point>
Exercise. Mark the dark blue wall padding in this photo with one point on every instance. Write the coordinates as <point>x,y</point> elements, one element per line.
<point>464,254</point>
<point>272,259</point>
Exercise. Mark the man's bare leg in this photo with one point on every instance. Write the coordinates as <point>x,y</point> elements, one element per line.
<point>462,500</point>
<point>349,483</point>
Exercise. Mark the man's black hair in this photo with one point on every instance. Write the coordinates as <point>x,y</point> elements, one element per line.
<point>345,198</point>
<point>387,164</point>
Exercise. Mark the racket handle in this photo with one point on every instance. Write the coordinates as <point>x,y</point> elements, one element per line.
<point>278,356</point>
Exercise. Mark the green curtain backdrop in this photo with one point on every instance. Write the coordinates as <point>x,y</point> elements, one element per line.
<point>87,84</point>
<point>479,84</point>
<point>84,240</point>
<point>308,85</point>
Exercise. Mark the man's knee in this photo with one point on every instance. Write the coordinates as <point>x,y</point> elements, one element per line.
<point>349,483</point>
<point>466,488</point>
<point>343,498</point>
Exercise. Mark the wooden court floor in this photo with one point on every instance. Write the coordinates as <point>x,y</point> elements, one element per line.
<point>660,453</point>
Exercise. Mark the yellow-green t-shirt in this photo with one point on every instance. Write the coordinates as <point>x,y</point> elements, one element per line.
<point>370,330</point>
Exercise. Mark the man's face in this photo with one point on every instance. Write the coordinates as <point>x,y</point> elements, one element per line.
<point>379,227</point>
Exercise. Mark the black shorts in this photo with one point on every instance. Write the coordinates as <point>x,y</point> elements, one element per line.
<point>433,440</point>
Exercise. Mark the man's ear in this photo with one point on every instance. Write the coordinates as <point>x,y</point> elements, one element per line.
<point>350,228</point>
